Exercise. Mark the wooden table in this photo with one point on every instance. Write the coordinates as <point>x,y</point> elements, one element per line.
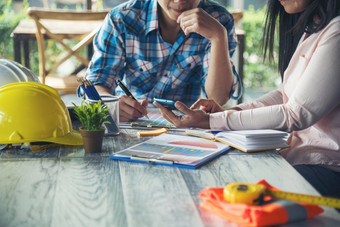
<point>63,186</point>
<point>26,29</point>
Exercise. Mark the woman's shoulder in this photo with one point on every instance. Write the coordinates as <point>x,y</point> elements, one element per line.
<point>333,26</point>
<point>336,19</point>
<point>330,32</point>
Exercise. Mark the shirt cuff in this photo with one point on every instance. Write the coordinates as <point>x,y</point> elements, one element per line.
<point>219,120</point>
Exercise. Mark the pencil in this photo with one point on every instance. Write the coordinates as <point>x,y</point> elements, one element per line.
<point>127,92</point>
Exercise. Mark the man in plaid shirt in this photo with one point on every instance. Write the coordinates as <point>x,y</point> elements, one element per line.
<point>171,49</point>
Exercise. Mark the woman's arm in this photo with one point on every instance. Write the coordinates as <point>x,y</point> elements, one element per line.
<point>269,99</point>
<point>314,95</point>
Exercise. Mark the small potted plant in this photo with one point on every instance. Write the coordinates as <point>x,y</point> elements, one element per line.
<point>92,116</point>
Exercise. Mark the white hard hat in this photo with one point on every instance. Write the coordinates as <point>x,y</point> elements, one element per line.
<point>11,72</point>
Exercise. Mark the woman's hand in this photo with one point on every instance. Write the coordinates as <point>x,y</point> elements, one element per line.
<point>209,106</point>
<point>191,118</point>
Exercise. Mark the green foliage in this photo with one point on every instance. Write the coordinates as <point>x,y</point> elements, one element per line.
<point>99,5</point>
<point>91,115</point>
<point>9,19</point>
<point>257,74</point>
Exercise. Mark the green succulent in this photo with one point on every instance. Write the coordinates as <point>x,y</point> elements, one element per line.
<point>91,115</point>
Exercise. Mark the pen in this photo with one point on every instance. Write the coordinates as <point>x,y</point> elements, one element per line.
<point>127,92</point>
<point>151,160</point>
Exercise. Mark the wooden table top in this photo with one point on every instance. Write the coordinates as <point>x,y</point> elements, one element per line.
<point>60,27</point>
<point>27,27</point>
<point>63,186</point>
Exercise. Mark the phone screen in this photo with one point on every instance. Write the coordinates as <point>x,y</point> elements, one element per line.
<point>166,102</point>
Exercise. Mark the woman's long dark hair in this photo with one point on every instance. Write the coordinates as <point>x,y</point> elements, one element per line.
<point>292,26</point>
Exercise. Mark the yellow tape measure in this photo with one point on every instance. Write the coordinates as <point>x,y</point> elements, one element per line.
<point>155,132</point>
<point>254,193</point>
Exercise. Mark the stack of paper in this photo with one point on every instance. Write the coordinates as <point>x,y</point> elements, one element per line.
<point>246,140</point>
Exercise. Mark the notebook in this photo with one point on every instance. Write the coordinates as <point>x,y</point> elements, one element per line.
<point>173,150</point>
<point>246,140</point>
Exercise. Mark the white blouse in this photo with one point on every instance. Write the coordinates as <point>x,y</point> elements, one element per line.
<point>307,104</point>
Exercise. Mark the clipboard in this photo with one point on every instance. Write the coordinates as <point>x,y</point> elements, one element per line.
<point>173,150</point>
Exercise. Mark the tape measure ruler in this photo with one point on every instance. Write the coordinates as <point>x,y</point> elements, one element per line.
<point>254,193</point>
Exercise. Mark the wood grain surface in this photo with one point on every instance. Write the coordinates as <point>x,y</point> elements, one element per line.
<point>64,186</point>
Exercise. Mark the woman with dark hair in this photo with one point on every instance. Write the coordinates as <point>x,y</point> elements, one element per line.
<point>307,104</point>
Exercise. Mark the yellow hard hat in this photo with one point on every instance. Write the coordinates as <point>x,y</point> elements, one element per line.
<point>34,112</point>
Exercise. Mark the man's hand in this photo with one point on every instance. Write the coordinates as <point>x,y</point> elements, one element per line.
<point>219,80</point>
<point>198,21</point>
<point>130,109</point>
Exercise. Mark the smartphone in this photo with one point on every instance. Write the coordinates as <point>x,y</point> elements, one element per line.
<point>165,102</point>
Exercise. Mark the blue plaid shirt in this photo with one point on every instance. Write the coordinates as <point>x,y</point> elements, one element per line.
<point>129,46</point>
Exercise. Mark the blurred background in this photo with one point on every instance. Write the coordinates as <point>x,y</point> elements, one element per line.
<point>259,77</point>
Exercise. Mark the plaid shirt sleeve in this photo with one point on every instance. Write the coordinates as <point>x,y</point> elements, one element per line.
<point>108,60</point>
